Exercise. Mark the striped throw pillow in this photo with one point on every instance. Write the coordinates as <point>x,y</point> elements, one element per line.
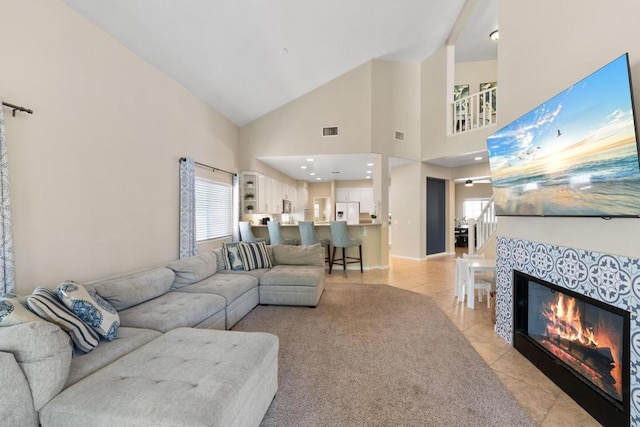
<point>254,255</point>
<point>45,303</point>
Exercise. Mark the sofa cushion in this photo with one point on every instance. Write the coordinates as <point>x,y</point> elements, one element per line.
<point>173,310</point>
<point>90,307</point>
<point>43,352</point>
<point>46,304</point>
<point>254,256</point>
<point>230,286</point>
<point>298,255</point>
<point>298,275</point>
<point>193,269</point>
<point>126,291</point>
<point>13,312</point>
<point>16,403</point>
<point>128,339</point>
<point>231,256</point>
<point>186,377</point>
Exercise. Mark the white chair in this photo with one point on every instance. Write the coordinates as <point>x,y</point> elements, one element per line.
<point>463,279</point>
<point>484,275</point>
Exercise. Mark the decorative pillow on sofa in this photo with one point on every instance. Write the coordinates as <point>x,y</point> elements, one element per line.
<point>254,255</point>
<point>231,255</point>
<point>13,312</point>
<point>91,308</point>
<point>46,304</point>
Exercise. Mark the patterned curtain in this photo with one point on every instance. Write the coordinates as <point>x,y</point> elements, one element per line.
<point>188,245</point>
<point>7,286</point>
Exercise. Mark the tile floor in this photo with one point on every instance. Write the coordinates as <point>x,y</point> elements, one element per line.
<point>546,403</point>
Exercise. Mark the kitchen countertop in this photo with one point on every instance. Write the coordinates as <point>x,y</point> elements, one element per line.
<point>322,224</point>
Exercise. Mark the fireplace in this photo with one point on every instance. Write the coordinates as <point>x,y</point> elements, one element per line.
<point>580,343</point>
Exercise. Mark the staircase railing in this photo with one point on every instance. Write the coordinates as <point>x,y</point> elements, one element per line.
<point>485,227</point>
<point>474,112</point>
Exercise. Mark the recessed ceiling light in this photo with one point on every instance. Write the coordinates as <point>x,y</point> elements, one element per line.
<point>303,167</point>
<point>318,179</point>
<point>369,172</point>
<point>368,177</point>
<point>309,160</point>
<point>477,158</point>
<point>312,173</point>
<point>369,164</point>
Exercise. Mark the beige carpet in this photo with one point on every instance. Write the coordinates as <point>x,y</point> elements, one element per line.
<point>374,355</point>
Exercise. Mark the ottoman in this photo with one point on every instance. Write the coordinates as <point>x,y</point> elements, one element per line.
<point>186,377</point>
<point>292,285</point>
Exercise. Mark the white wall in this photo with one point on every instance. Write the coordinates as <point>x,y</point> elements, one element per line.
<point>407,222</point>
<point>474,73</point>
<point>396,107</point>
<point>296,128</point>
<point>94,171</point>
<point>546,46</point>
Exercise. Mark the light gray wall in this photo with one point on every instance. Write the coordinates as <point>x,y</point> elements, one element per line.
<point>545,47</point>
<point>94,171</point>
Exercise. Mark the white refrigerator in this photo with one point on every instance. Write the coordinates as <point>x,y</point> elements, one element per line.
<point>348,211</point>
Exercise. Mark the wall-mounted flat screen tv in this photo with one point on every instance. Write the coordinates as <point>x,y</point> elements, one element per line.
<point>574,155</point>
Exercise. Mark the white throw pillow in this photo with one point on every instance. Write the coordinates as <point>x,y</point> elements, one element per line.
<point>13,312</point>
<point>91,308</point>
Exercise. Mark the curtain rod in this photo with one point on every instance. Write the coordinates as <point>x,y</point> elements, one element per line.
<point>17,108</point>
<point>182,159</point>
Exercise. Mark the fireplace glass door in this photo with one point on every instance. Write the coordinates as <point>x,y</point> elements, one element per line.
<point>585,337</point>
<point>580,343</point>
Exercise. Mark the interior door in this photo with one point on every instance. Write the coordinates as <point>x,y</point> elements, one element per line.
<point>436,219</point>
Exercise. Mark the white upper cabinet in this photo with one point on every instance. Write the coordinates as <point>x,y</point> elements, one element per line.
<point>364,195</point>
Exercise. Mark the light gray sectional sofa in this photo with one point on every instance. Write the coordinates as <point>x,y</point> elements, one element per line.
<point>172,362</point>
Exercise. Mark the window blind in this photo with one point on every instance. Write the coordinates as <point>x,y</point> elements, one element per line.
<point>213,209</point>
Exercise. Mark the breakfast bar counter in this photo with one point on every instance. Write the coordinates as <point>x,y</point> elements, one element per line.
<point>373,255</point>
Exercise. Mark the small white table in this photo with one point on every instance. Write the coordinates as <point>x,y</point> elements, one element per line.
<point>477,265</point>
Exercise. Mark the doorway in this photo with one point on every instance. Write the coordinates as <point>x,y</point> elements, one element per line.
<point>436,216</point>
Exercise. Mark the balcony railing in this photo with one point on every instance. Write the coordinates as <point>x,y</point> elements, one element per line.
<point>474,112</point>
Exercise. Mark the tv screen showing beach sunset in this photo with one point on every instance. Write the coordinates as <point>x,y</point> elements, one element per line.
<point>574,155</point>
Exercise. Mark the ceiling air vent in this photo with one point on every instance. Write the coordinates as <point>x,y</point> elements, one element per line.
<point>399,135</point>
<point>330,131</point>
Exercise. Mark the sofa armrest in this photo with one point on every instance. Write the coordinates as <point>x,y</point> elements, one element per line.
<point>16,404</point>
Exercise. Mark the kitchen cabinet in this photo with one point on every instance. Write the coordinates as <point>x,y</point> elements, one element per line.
<point>265,194</point>
<point>363,195</point>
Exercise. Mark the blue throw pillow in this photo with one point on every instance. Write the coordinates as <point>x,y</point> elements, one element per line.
<point>232,256</point>
<point>90,307</point>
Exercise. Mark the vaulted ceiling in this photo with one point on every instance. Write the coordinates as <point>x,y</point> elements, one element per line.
<point>246,58</point>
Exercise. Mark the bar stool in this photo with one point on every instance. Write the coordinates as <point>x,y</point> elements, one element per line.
<point>341,239</point>
<point>308,237</point>
<point>276,235</point>
<point>246,235</point>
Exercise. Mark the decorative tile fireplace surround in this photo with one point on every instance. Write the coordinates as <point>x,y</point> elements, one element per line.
<point>607,278</point>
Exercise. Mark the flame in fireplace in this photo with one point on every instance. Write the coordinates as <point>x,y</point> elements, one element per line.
<point>564,321</point>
